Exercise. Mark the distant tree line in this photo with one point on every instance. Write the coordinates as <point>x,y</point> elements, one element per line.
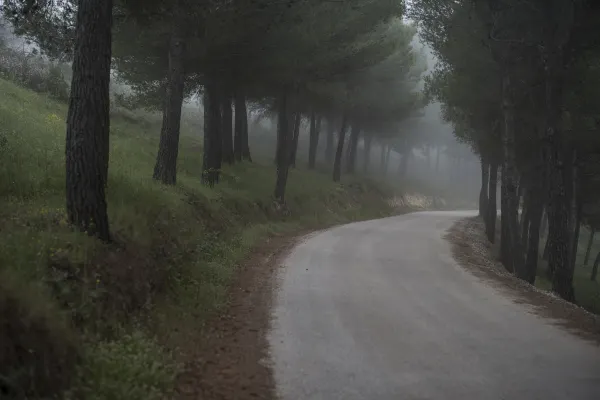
<point>347,65</point>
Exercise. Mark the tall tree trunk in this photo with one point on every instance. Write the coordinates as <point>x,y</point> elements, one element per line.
<point>589,247</point>
<point>511,176</point>
<point>437,159</point>
<point>88,120</point>
<point>492,207</point>
<point>533,246</point>
<point>211,164</point>
<point>388,150</point>
<point>575,220</point>
<point>165,169</point>
<point>544,225</point>
<point>483,193</point>
<point>353,148</point>
<point>245,135</point>
<point>504,234</point>
<point>382,159</point>
<point>329,152</point>
<point>368,140</point>
<point>240,125</point>
<point>558,207</point>
<point>337,166</point>
<point>284,136</point>
<point>227,129</point>
<point>545,254</point>
<point>295,137</point>
<point>595,268</point>
<point>314,142</point>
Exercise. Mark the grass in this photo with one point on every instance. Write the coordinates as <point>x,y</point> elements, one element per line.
<point>105,321</point>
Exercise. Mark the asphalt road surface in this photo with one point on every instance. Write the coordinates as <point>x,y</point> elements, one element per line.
<point>380,310</point>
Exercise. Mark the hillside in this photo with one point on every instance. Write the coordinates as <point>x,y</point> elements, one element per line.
<point>99,321</point>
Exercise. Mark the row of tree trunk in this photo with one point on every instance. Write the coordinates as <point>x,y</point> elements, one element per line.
<point>88,121</point>
<point>525,193</point>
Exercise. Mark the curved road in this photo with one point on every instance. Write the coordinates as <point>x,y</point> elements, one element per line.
<point>380,310</point>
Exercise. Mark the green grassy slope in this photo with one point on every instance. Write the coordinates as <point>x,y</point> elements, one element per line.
<point>77,316</point>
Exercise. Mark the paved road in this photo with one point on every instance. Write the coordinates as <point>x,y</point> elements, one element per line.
<point>380,310</point>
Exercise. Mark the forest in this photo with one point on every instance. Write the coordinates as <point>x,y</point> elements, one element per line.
<point>125,212</point>
<point>519,82</point>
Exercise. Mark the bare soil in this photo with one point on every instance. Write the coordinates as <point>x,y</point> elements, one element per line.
<point>473,251</point>
<point>232,362</point>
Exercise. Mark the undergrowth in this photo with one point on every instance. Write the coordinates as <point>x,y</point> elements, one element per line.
<point>85,320</point>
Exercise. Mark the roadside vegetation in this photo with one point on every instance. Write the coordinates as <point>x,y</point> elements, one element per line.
<point>129,196</point>
<point>519,81</point>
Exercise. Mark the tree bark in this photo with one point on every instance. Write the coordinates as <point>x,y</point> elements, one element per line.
<point>483,193</point>
<point>589,247</point>
<point>595,268</point>
<point>211,164</point>
<point>337,166</point>
<point>295,137</point>
<point>227,129</point>
<point>165,169</point>
<point>88,120</point>
<point>504,234</point>
<point>240,116</point>
<point>514,255</point>
<point>353,148</point>
<point>535,219</point>
<point>388,150</point>
<point>368,140</point>
<point>329,152</point>
<point>284,134</point>
<point>492,208</point>
<point>245,135</point>
<point>313,142</point>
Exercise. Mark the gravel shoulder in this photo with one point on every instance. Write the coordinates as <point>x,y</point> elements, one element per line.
<point>472,250</point>
<point>232,362</point>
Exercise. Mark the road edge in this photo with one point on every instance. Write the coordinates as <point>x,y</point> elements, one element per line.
<point>473,252</point>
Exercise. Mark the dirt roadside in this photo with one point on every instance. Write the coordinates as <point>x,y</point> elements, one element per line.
<point>473,252</point>
<point>232,363</point>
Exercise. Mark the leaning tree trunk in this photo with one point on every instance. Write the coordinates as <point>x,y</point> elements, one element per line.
<point>595,268</point>
<point>88,120</point>
<point>284,139</point>
<point>240,122</point>
<point>589,247</point>
<point>483,193</point>
<point>295,138</point>
<point>492,207</point>
<point>368,140</point>
<point>211,165</point>
<point>165,169</point>
<point>313,142</point>
<point>353,148</point>
<point>227,130</point>
<point>329,151</point>
<point>337,165</point>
